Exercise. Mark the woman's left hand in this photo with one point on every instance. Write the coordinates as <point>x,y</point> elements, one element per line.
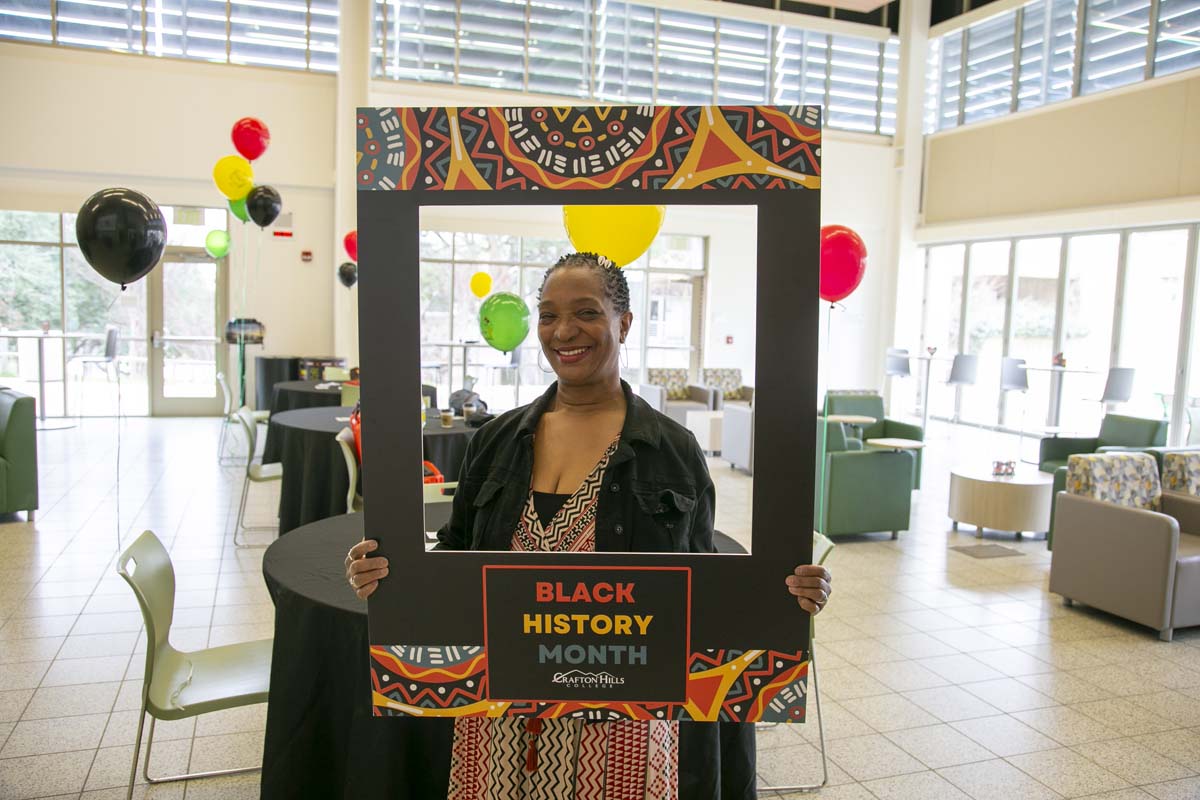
<point>810,584</point>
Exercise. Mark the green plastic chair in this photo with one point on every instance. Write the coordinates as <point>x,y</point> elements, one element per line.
<point>178,684</point>
<point>255,473</point>
<point>335,374</point>
<point>822,547</point>
<point>230,420</point>
<point>350,394</point>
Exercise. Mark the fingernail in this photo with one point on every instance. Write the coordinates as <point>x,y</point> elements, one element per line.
<point>372,544</point>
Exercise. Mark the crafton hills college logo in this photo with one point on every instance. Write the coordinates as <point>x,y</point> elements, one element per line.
<point>578,679</point>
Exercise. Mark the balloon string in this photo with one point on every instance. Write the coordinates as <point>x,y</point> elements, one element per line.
<point>119,426</point>
<point>241,327</point>
<point>824,424</point>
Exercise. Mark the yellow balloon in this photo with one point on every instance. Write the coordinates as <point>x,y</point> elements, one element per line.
<point>622,233</point>
<point>481,284</point>
<point>234,177</point>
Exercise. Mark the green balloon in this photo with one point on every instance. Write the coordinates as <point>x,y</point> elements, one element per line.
<point>504,321</point>
<point>238,207</point>
<point>216,244</point>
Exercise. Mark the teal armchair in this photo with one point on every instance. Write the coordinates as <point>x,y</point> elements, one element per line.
<point>18,454</point>
<point>870,404</point>
<point>864,490</point>
<point>1117,432</point>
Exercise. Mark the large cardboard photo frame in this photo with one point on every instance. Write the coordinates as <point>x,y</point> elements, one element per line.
<point>744,655</point>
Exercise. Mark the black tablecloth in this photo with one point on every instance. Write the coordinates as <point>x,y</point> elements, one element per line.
<point>315,480</point>
<point>314,470</point>
<point>321,740</point>
<point>270,370</point>
<point>291,395</point>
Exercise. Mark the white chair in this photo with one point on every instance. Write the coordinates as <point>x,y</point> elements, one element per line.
<point>178,684</point>
<point>345,439</point>
<point>822,547</point>
<point>255,473</point>
<point>230,419</point>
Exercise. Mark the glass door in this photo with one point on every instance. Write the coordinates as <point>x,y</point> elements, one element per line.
<point>187,314</point>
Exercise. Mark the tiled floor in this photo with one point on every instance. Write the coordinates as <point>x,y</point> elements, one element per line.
<point>941,676</point>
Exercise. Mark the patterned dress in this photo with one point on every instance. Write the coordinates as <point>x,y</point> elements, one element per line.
<point>509,758</point>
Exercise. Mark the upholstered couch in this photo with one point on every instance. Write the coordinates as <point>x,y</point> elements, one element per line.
<point>870,404</point>
<point>18,454</point>
<point>727,383</point>
<point>1124,546</point>
<point>1117,433</point>
<point>678,396</point>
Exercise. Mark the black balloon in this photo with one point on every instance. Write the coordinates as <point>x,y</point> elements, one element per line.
<point>263,205</point>
<point>348,274</point>
<point>121,233</point>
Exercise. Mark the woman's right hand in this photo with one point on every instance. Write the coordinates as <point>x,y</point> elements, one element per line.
<point>364,573</point>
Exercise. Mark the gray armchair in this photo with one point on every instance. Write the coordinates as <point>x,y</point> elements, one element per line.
<point>680,396</point>
<point>1123,546</point>
<point>737,437</point>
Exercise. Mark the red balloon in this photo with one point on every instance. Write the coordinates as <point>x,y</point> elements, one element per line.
<point>843,262</point>
<point>251,137</point>
<point>351,245</point>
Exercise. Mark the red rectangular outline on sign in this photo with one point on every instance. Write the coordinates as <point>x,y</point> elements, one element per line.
<point>687,633</point>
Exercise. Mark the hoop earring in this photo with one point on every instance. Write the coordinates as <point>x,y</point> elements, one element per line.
<point>625,355</point>
<point>539,362</point>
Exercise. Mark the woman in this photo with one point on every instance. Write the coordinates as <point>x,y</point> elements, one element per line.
<point>589,466</point>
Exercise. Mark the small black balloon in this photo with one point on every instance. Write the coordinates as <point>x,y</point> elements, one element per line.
<point>348,274</point>
<point>263,204</point>
<point>121,233</point>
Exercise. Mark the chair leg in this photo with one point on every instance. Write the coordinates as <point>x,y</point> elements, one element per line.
<point>221,441</point>
<point>29,515</point>
<point>241,520</point>
<point>895,534</point>
<point>1166,634</point>
<point>816,695</point>
<point>170,778</point>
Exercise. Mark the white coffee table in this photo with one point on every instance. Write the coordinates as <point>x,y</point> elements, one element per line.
<point>706,425</point>
<point>1017,503</point>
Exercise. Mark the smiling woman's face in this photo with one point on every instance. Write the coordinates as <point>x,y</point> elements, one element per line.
<point>580,330</point>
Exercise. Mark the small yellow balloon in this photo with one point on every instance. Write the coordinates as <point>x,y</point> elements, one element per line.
<point>481,284</point>
<point>234,177</point>
<point>622,233</point>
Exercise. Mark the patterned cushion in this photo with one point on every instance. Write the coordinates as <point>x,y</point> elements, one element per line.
<point>1181,472</point>
<point>675,381</point>
<point>1127,479</point>
<point>729,381</point>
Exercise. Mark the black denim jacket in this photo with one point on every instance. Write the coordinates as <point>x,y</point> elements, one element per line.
<point>656,495</point>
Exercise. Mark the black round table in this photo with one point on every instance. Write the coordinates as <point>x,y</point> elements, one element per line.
<point>290,395</point>
<point>315,480</point>
<point>321,739</point>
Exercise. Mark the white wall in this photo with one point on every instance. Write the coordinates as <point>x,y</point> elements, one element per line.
<point>77,121</point>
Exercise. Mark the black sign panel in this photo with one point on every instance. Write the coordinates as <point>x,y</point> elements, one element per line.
<point>583,634</point>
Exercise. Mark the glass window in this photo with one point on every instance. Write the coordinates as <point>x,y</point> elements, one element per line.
<point>323,35</point>
<point>30,307</point>
<point>625,53</point>
<point>491,44</point>
<point>558,47</point>
<point>815,82</point>
<point>1178,36</point>
<point>854,83</point>
<point>1032,337</point>
<point>989,68</point>
<point>951,80</point>
<point>30,226</point>
<point>1047,53</point>
<point>789,66</point>
<point>933,88</point>
<point>419,39</point>
<point>890,79</point>
<point>1150,312</point>
<point>113,25</point>
<point>26,19</point>
<point>1091,292</point>
<point>686,44</point>
<point>1114,49</point>
<point>743,62</point>
<point>987,298</point>
<point>942,309</point>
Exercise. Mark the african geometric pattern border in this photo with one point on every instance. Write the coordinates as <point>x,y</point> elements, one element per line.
<point>735,685</point>
<point>521,148</point>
